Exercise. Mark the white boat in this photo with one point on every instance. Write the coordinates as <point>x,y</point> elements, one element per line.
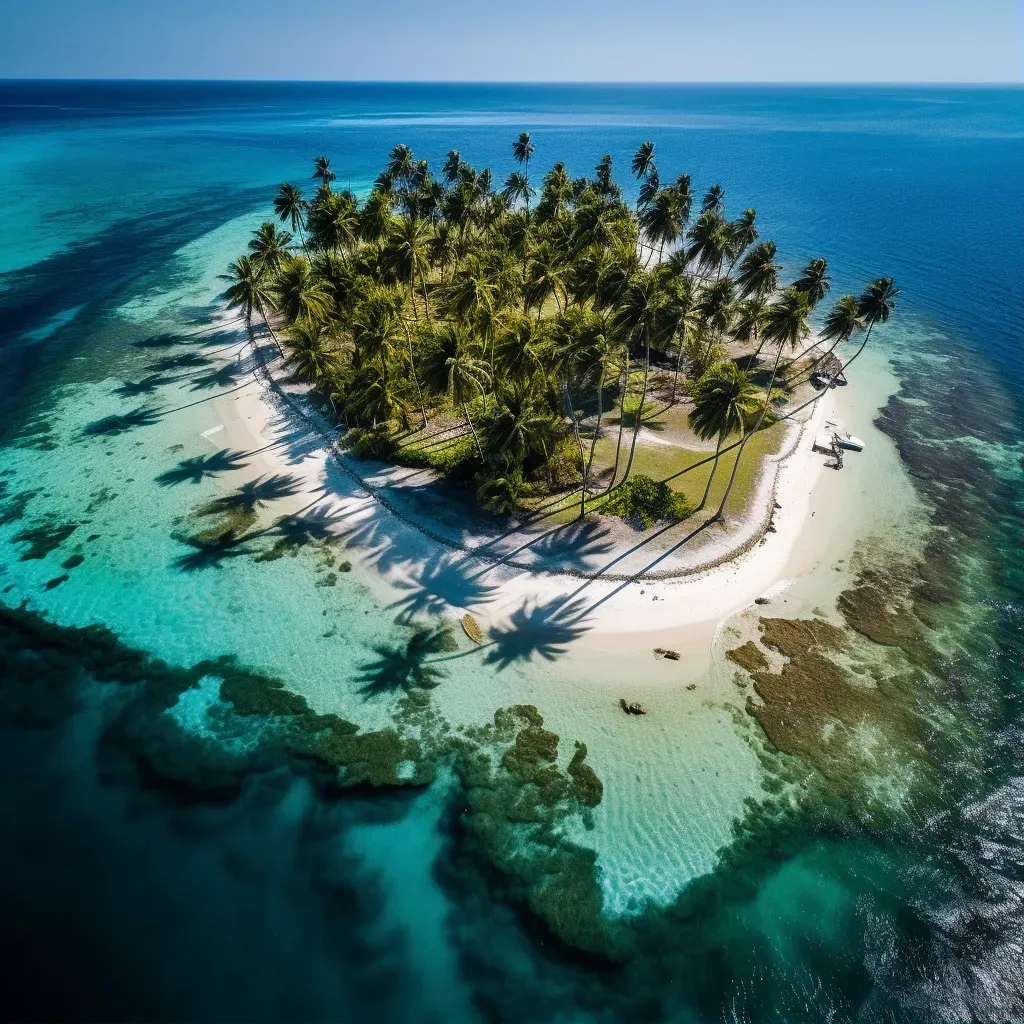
<point>841,437</point>
<point>845,440</point>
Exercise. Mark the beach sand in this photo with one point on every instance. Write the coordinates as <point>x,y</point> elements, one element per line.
<point>820,515</point>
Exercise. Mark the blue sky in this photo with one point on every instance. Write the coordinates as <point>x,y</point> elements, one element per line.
<point>532,40</point>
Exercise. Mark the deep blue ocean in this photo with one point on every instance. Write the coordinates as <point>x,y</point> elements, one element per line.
<point>127,897</point>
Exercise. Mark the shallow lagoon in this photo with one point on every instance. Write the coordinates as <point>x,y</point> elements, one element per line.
<point>108,462</point>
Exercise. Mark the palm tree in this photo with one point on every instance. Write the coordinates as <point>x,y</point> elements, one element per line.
<point>749,324</point>
<point>519,428</point>
<point>322,170</point>
<point>334,223</point>
<point>249,289</point>
<point>290,206</point>
<point>643,160</point>
<point>452,163</point>
<point>575,352</point>
<point>300,294</point>
<point>662,220</point>
<point>517,187</point>
<point>308,353</point>
<point>759,273</point>
<point>710,241</point>
<point>453,369</point>
<point>410,250</point>
<point>841,321</point>
<point>269,247</point>
<point>876,306</point>
<point>743,234</point>
<point>637,315</point>
<point>722,399</point>
<point>522,150</point>
<point>714,201</point>
<point>814,280</point>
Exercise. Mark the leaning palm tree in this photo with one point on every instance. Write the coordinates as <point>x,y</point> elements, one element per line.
<point>290,206</point>
<point>322,170</point>
<point>662,220</point>
<point>522,150</point>
<point>785,323</point>
<point>814,280</point>
<point>841,321</point>
<point>876,306</point>
<point>250,290</point>
<point>722,400</point>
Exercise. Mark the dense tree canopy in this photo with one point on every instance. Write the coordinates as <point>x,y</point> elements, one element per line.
<point>521,308</point>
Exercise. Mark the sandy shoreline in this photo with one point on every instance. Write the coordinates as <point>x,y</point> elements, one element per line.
<point>413,572</point>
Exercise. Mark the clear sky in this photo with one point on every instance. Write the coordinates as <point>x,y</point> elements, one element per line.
<point>520,40</point>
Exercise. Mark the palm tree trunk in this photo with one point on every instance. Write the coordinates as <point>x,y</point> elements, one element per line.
<point>469,420</point>
<point>426,301</point>
<point>747,436</point>
<point>271,329</point>
<point>643,398</point>
<point>622,415</point>
<point>597,429</point>
<point>415,375</point>
<point>711,476</point>
<point>675,379</point>
<point>579,444</point>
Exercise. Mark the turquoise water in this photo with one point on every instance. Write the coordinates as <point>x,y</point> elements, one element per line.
<point>270,898</point>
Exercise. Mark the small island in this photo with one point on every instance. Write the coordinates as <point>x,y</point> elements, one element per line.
<point>553,351</point>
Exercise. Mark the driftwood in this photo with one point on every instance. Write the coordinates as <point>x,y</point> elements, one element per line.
<point>631,707</point>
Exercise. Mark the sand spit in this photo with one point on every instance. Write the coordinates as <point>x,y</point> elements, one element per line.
<point>597,587</point>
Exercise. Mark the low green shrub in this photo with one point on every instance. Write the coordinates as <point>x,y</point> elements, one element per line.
<point>645,500</point>
<point>370,443</point>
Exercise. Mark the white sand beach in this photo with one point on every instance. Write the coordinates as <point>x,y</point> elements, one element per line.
<point>599,595</point>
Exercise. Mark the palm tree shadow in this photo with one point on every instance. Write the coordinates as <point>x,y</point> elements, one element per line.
<point>223,378</point>
<point>256,493</point>
<point>111,426</point>
<point>197,469</point>
<point>208,554</point>
<point>405,666</point>
<point>319,525</point>
<point>159,341</point>
<point>443,582</point>
<point>574,544</point>
<point>541,630</point>
<point>186,361</point>
<point>146,386</point>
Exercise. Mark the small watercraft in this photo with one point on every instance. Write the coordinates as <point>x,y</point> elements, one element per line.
<point>841,437</point>
<point>846,440</point>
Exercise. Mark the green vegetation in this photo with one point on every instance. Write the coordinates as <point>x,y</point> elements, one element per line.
<point>648,502</point>
<point>491,333</point>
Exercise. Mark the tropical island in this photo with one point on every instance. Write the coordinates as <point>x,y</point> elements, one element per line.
<point>554,351</point>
